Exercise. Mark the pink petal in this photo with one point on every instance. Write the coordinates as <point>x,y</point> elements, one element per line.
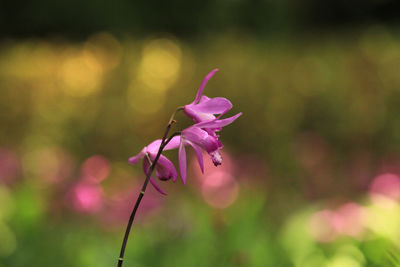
<point>199,155</point>
<point>218,123</point>
<point>196,115</point>
<point>194,134</point>
<point>174,143</point>
<point>146,168</point>
<point>165,168</point>
<point>135,159</point>
<point>211,144</point>
<point>201,138</point>
<point>203,84</point>
<point>204,98</point>
<point>156,186</point>
<point>154,146</point>
<point>216,105</point>
<point>182,161</point>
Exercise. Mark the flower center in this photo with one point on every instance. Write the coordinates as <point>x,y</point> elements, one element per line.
<point>216,157</point>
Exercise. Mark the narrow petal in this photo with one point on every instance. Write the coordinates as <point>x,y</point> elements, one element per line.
<point>165,169</point>
<point>146,168</point>
<point>174,143</point>
<point>218,123</point>
<point>216,105</point>
<point>203,84</point>
<point>182,161</point>
<point>135,159</point>
<point>199,155</point>
<point>156,186</point>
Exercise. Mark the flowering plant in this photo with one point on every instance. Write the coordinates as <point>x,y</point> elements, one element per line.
<point>200,136</point>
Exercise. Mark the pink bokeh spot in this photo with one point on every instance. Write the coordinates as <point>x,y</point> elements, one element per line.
<point>386,185</point>
<point>209,168</point>
<point>220,189</point>
<point>218,186</point>
<point>96,168</point>
<point>9,166</point>
<point>87,198</point>
<point>326,225</point>
<point>351,219</point>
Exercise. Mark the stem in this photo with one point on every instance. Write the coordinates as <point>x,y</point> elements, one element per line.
<point>164,142</point>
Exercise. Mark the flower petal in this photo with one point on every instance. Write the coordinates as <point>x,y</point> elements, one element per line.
<point>174,143</point>
<point>197,116</point>
<point>135,159</point>
<point>194,134</point>
<point>154,146</point>
<point>216,105</point>
<point>156,186</point>
<point>217,123</point>
<point>204,98</point>
<point>199,154</point>
<point>165,169</point>
<point>182,161</point>
<point>200,137</point>
<point>146,169</point>
<point>203,84</point>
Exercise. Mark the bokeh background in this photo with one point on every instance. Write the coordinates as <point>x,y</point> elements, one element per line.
<point>311,170</point>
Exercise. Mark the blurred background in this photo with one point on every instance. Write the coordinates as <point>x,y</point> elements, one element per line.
<point>310,173</point>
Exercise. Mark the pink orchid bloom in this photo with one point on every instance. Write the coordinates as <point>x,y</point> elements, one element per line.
<point>200,137</point>
<point>165,170</point>
<point>204,108</point>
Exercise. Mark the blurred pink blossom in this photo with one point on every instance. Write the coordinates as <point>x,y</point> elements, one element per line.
<point>86,197</point>
<point>209,168</point>
<point>350,219</point>
<point>9,166</point>
<point>387,185</point>
<point>219,186</point>
<point>327,225</point>
<point>220,189</point>
<point>96,168</point>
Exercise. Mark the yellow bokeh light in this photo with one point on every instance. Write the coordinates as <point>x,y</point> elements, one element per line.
<point>81,74</point>
<point>160,65</point>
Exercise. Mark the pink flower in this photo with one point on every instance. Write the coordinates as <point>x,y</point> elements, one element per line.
<point>202,136</point>
<point>165,170</point>
<point>203,108</point>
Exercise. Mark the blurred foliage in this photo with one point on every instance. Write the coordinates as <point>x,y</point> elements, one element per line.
<point>78,19</point>
<point>311,174</point>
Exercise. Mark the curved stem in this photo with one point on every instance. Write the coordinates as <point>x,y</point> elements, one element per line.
<point>171,119</point>
<point>164,142</point>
